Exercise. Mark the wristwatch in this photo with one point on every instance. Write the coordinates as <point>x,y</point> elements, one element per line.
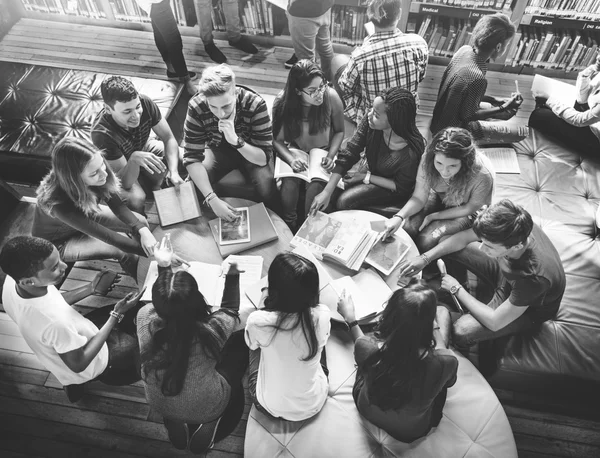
<point>454,289</point>
<point>240,143</point>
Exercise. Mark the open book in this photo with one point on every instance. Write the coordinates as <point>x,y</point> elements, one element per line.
<point>503,159</point>
<point>385,255</point>
<point>314,172</point>
<point>175,206</point>
<point>564,92</point>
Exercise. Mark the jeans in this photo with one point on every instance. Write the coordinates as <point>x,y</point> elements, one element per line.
<point>167,37</point>
<point>581,139</point>
<point>81,247</point>
<point>221,160</point>
<point>232,19</point>
<point>290,193</point>
<point>506,129</point>
<point>431,234</point>
<point>308,33</point>
<point>467,330</point>
<point>363,195</point>
<point>123,348</point>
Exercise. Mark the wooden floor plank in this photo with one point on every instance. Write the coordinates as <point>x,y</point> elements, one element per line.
<point>18,374</point>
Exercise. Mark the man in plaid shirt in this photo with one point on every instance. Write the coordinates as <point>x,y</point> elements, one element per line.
<point>387,58</point>
<point>234,123</point>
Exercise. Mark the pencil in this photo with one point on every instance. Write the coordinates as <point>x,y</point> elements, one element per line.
<point>517,86</point>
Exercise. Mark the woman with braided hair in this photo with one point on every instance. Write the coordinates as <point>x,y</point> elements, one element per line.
<point>454,181</point>
<point>393,148</point>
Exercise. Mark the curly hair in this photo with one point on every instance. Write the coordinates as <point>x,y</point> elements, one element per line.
<point>491,30</point>
<point>117,89</point>
<point>454,143</point>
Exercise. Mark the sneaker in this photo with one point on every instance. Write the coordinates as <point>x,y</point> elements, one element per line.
<point>178,433</point>
<point>291,61</point>
<point>74,392</point>
<point>215,53</point>
<point>243,44</point>
<point>173,76</point>
<point>203,438</point>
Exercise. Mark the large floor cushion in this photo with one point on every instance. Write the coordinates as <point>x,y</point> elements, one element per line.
<point>474,423</point>
<point>561,190</point>
<point>40,105</point>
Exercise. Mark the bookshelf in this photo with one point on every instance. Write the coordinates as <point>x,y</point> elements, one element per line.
<point>554,37</point>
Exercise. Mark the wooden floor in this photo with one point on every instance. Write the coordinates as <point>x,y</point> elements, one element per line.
<point>36,417</point>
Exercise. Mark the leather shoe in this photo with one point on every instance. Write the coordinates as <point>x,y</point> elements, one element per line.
<point>215,53</point>
<point>243,44</point>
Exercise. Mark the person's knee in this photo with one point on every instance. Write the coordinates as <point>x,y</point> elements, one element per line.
<point>425,241</point>
<point>135,198</point>
<point>345,202</point>
<point>461,334</point>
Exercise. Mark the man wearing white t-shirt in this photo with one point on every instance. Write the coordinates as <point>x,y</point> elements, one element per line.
<point>66,343</point>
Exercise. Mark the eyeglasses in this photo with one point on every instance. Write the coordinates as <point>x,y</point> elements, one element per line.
<point>315,92</point>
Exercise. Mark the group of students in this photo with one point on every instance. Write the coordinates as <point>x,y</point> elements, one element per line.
<point>191,360</point>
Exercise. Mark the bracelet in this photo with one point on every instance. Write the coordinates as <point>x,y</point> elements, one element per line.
<point>398,215</point>
<point>425,258</point>
<point>117,315</point>
<point>367,178</point>
<point>206,199</point>
<point>352,324</point>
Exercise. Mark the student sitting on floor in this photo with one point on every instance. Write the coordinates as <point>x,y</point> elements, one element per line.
<point>386,58</point>
<point>404,372</point>
<point>461,100</point>
<point>307,114</point>
<point>287,377</point>
<point>71,215</point>
<point>514,256</point>
<point>234,123</point>
<point>68,344</point>
<point>122,130</point>
<point>192,373</point>
<point>579,126</point>
<point>454,182</point>
<point>393,147</point>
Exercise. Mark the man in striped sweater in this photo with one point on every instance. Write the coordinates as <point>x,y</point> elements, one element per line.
<point>234,123</point>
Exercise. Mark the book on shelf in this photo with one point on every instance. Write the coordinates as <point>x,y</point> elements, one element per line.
<point>177,205</point>
<point>314,171</point>
<point>569,9</point>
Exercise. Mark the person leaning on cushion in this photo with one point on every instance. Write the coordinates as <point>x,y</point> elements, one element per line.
<point>405,370</point>
<point>393,147</point>
<point>453,183</point>
<point>68,344</point>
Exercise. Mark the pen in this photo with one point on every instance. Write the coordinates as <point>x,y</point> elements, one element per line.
<point>517,86</point>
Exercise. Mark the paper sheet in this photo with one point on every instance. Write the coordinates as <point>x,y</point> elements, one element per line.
<point>252,273</point>
<point>504,160</point>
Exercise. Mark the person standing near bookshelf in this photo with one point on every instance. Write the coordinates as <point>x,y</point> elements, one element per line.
<point>307,114</point>
<point>234,123</point>
<point>231,14</point>
<point>393,148</point>
<point>309,22</point>
<point>453,183</point>
<point>461,100</point>
<point>168,41</point>
<point>387,58</point>
<point>577,126</point>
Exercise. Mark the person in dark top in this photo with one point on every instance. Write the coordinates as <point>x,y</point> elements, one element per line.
<point>405,370</point>
<point>70,211</point>
<point>234,123</point>
<point>461,100</point>
<point>122,131</point>
<point>516,258</point>
<point>393,148</point>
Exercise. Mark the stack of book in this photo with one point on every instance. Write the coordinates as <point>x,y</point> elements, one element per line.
<point>256,16</point>
<point>85,8</point>
<point>572,9</point>
<point>128,10</point>
<point>484,4</point>
<point>348,24</point>
<point>444,35</point>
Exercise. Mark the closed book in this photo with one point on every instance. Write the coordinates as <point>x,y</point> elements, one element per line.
<point>263,231</point>
<point>177,205</point>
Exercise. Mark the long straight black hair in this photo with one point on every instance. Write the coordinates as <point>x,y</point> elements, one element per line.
<point>186,319</point>
<point>293,293</point>
<point>405,328</point>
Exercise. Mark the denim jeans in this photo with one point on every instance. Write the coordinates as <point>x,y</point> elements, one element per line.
<point>82,247</point>
<point>467,330</point>
<point>167,37</point>
<point>290,193</point>
<point>219,161</point>
<point>310,33</point>
<point>431,234</point>
<point>232,19</point>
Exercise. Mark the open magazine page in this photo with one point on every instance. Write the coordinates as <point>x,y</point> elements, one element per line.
<point>283,170</point>
<point>387,254</point>
<point>368,290</point>
<point>316,170</point>
<point>316,233</point>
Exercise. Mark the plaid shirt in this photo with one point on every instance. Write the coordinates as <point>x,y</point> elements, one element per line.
<point>385,59</point>
<point>201,128</point>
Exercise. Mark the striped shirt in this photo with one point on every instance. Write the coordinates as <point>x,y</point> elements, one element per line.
<point>461,91</point>
<point>117,141</point>
<point>201,128</point>
<point>385,59</point>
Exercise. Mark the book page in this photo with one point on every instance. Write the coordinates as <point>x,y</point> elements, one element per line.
<point>316,170</point>
<point>283,170</point>
<point>504,160</point>
<point>316,233</point>
<point>564,92</point>
<point>386,255</point>
<point>251,267</point>
<point>368,290</point>
<point>347,240</point>
<point>236,231</point>
<point>176,206</point>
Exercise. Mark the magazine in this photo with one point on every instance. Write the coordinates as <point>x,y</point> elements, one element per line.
<point>314,172</point>
<point>236,231</point>
<point>316,233</point>
<point>385,255</point>
<point>368,291</point>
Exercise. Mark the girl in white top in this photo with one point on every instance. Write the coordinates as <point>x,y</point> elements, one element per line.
<point>288,375</point>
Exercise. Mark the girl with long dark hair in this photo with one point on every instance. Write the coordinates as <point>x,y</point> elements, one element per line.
<point>192,360</point>
<point>405,370</point>
<point>453,183</point>
<point>307,114</point>
<point>287,374</point>
<point>393,148</point>
<point>70,209</point>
